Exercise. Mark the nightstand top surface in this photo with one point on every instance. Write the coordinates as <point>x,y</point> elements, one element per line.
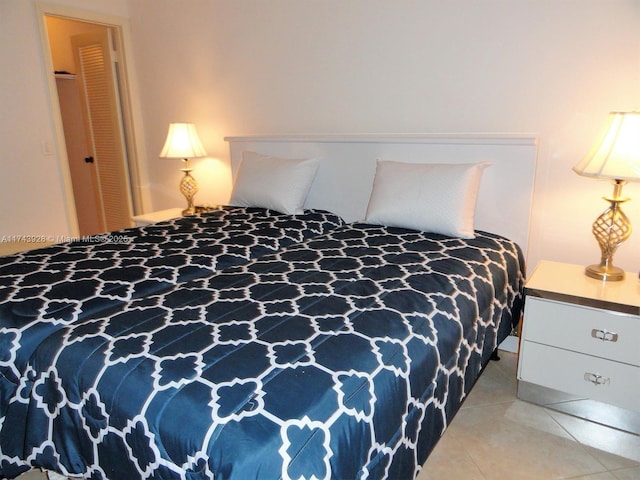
<point>570,280</point>
<point>159,215</point>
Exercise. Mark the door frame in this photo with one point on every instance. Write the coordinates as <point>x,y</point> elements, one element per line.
<point>130,106</point>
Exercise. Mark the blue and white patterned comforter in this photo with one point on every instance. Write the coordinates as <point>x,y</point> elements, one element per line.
<point>75,278</point>
<point>344,356</point>
<point>69,281</point>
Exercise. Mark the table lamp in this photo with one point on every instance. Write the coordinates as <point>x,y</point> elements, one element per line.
<point>616,156</point>
<point>183,142</point>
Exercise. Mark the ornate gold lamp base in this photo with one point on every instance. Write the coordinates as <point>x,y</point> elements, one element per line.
<point>610,229</point>
<point>189,188</point>
<point>605,272</point>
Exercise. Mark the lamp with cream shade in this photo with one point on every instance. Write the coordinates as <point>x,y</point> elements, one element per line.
<point>616,156</point>
<point>183,142</point>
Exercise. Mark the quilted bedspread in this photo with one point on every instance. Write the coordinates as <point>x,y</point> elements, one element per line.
<point>75,278</point>
<point>71,280</point>
<point>344,356</point>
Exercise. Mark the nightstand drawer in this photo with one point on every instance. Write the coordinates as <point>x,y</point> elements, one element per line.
<point>596,378</point>
<point>602,333</point>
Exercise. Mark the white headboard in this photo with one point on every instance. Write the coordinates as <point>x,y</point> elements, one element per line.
<point>348,162</point>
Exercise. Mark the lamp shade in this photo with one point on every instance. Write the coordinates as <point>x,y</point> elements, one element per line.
<point>616,155</point>
<point>182,142</point>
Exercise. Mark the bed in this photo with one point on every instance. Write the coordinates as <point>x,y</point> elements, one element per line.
<point>343,355</point>
<point>96,272</point>
<point>45,289</point>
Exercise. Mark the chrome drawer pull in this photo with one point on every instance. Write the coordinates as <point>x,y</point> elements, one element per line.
<point>604,335</point>
<point>596,379</point>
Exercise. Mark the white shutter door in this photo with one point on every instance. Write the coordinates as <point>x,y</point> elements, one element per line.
<point>96,75</point>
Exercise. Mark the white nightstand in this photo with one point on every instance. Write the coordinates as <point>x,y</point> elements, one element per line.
<point>155,217</point>
<point>580,345</point>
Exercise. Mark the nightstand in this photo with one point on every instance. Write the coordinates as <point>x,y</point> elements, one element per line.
<point>580,345</point>
<point>155,217</point>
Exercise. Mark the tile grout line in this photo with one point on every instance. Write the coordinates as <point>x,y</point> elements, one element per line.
<point>581,445</point>
<point>468,454</point>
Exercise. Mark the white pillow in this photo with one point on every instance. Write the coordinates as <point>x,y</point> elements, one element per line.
<point>437,198</point>
<point>279,184</point>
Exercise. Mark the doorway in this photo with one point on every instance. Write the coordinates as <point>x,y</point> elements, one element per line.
<point>95,127</point>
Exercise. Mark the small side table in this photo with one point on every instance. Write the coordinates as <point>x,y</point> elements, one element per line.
<point>155,217</point>
<point>579,346</point>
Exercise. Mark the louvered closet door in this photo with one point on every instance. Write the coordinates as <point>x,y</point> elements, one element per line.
<point>95,61</point>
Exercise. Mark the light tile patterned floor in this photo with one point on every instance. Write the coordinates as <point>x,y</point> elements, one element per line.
<point>495,436</point>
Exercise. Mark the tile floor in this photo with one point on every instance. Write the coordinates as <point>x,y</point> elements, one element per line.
<point>495,436</point>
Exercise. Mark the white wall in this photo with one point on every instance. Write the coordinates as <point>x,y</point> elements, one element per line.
<point>31,198</point>
<point>550,67</point>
